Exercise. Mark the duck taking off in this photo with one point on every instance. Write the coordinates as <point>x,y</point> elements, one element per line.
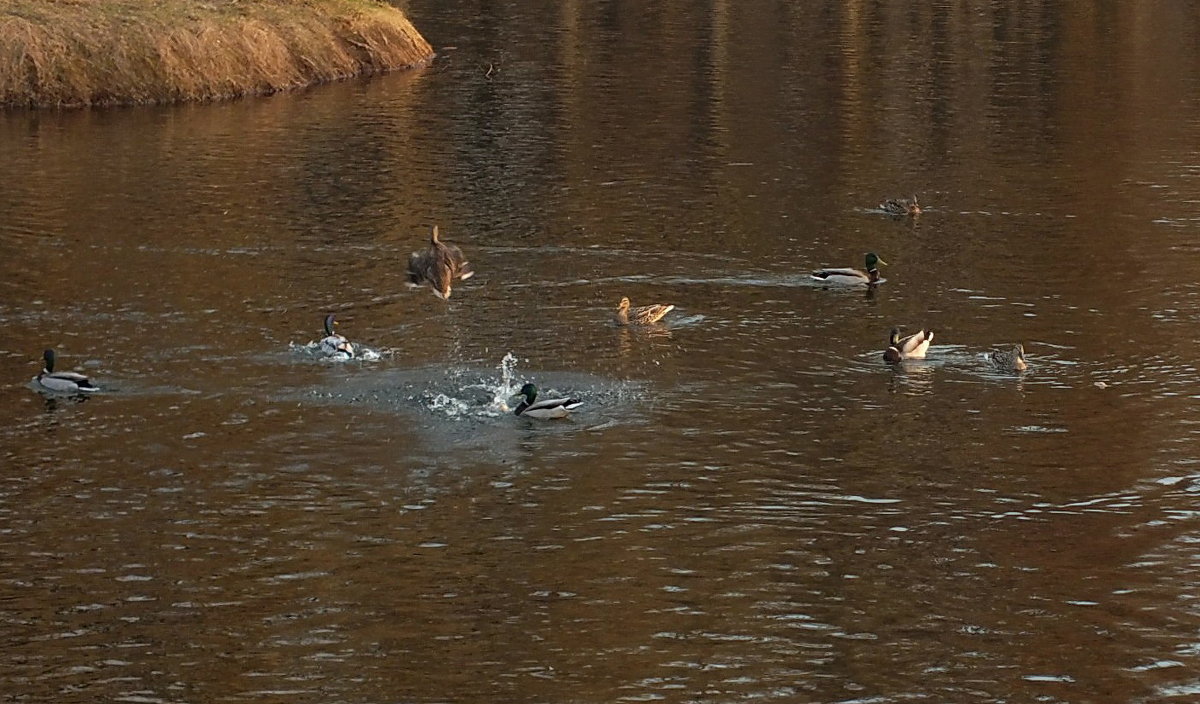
<point>62,382</point>
<point>549,408</point>
<point>901,206</point>
<point>852,277</point>
<point>438,265</point>
<point>333,345</point>
<point>642,315</point>
<point>1011,359</point>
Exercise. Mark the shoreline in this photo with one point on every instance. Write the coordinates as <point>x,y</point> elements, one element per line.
<point>81,53</point>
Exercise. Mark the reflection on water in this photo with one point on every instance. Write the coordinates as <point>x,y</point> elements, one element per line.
<point>751,503</point>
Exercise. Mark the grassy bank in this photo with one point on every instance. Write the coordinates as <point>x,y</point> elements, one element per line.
<point>69,53</point>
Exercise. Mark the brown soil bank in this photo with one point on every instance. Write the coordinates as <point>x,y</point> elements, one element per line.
<point>69,53</point>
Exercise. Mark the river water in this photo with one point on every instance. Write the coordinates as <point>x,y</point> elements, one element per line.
<point>751,504</point>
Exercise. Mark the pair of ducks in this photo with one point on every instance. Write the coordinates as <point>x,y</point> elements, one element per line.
<point>546,409</point>
<point>438,266</point>
<point>914,347</point>
<point>441,263</point>
<point>332,345</point>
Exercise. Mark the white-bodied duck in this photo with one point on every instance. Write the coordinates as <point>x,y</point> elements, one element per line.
<point>545,409</point>
<point>333,345</point>
<point>852,277</point>
<point>62,382</point>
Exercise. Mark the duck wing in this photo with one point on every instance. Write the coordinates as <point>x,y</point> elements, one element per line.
<point>460,268</point>
<point>431,266</point>
<point>845,274</point>
<point>645,315</point>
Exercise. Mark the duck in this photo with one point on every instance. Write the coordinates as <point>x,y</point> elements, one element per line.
<point>901,206</point>
<point>642,315</point>
<point>1011,359</point>
<point>852,277</point>
<point>911,347</point>
<point>549,408</point>
<point>333,345</point>
<point>62,382</point>
<point>438,265</point>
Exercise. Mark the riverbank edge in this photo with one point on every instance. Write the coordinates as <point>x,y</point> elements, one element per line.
<point>79,53</point>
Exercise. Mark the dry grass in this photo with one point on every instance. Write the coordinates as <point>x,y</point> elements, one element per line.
<point>68,53</point>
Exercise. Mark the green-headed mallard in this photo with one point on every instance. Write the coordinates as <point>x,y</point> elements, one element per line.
<point>642,315</point>
<point>62,382</point>
<point>852,277</point>
<point>549,408</point>
<point>1011,359</point>
<point>900,206</point>
<point>438,265</point>
<point>334,345</point>
<point>911,347</point>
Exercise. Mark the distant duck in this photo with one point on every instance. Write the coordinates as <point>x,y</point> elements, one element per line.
<point>901,206</point>
<point>852,277</point>
<point>438,265</point>
<point>642,315</point>
<point>62,382</point>
<point>913,346</point>
<point>549,408</point>
<point>1011,359</point>
<point>334,345</point>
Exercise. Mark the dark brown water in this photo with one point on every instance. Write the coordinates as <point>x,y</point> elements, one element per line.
<point>751,505</point>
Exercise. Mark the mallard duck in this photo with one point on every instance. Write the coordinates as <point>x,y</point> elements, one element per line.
<point>549,408</point>
<point>911,347</point>
<point>334,345</point>
<point>1011,359</point>
<point>852,277</point>
<point>62,382</point>
<point>438,265</point>
<point>642,315</point>
<point>901,206</point>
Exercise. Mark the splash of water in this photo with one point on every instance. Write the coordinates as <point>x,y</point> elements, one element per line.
<point>486,397</point>
<point>508,368</point>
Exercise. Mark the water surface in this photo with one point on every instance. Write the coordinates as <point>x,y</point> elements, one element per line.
<point>751,504</point>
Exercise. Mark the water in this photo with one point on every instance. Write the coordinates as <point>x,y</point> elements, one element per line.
<point>750,504</point>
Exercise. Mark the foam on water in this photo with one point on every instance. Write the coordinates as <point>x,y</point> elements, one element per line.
<point>312,350</point>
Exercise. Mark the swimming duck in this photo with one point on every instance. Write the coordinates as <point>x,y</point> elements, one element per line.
<point>549,408</point>
<point>334,345</point>
<point>852,277</point>
<point>912,347</point>
<point>642,315</point>
<point>62,382</point>
<point>900,206</point>
<point>438,265</point>
<point>1011,359</point>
